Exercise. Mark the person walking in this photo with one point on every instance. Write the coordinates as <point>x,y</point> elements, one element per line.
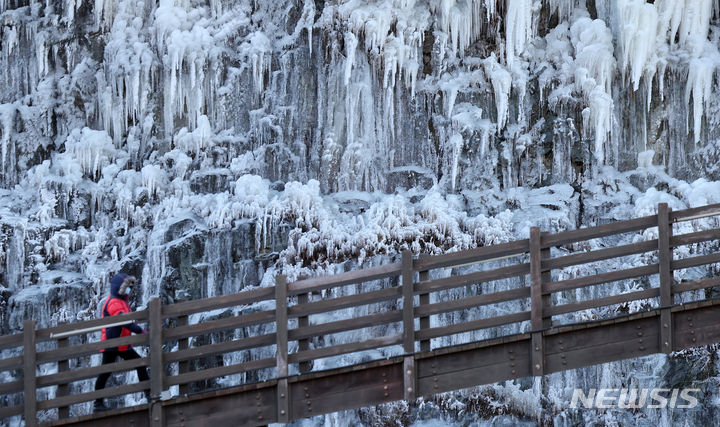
<point>117,303</point>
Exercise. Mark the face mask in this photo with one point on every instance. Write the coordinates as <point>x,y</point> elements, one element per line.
<point>127,286</point>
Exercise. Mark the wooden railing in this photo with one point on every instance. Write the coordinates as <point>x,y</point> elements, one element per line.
<point>383,295</point>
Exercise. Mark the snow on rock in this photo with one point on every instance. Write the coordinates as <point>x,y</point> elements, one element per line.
<point>645,158</point>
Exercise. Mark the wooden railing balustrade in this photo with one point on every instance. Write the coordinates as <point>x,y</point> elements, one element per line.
<point>389,300</point>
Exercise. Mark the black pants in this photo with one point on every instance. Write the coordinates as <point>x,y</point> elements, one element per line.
<point>109,356</point>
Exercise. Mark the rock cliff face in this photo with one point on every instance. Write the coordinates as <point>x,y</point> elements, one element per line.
<point>206,145</point>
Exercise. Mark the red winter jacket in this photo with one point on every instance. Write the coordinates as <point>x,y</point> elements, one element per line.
<point>113,306</point>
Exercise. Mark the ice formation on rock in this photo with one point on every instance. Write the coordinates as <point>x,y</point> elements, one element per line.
<point>206,146</point>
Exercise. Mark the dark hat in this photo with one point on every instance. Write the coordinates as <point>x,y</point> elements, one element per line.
<point>116,282</point>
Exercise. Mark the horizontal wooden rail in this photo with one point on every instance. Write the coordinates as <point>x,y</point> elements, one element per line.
<point>601,302</point>
<point>600,255</point>
<point>340,303</point>
<point>89,348</point>
<point>329,328</point>
<point>90,372</point>
<point>216,303</point>
<point>472,302</point>
<point>472,325</point>
<point>74,399</point>
<point>11,341</point>
<point>11,363</point>
<point>220,348</point>
<point>339,349</point>
<point>482,253</point>
<point>596,279</point>
<point>344,279</point>
<point>695,213</point>
<point>696,285</point>
<point>221,371</point>
<point>610,229</point>
<point>223,324</point>
<point>695,261</point>
<point>47,333</point>
<point>471,278</point>
<point>696,237</point>
<point>10,411</point>
<point>11,387</point>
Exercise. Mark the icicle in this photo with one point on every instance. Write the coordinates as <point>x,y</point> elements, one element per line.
<point>456,143</point>
<point>350,46</point>
<point>518,28</point>
<point>154,178</point>
<point>696,20</point>
<point>700,85</point>
<point>7,118</point>
<point>501,82</point>
<point>639,24</point>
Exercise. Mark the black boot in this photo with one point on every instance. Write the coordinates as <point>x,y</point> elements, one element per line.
<point>100,406</point>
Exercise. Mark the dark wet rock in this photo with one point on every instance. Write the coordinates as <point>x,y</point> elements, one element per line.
<point>208,182</point>
<point>410,177</point>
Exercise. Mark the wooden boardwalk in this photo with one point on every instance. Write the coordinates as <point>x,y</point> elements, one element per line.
<point>282,334</point>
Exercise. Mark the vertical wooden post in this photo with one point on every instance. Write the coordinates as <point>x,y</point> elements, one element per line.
<point>536,303</point>
<point>304,344</point>
<point>183,365</point>
<point>546,277</point>
<point>281,324</point>
<point>29,364</point>
<point>408,327</point>
<point>63,389</point>
<point>664,259</point>
<point>156,362</point>
<point>425,320</point>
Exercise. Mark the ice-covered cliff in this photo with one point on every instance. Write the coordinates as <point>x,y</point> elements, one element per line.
<point>205,145</point>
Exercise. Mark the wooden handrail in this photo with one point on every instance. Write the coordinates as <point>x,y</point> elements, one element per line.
<point>479,254</point>
<point>47,334</point>
<point>695,213</point>
<point>610,229</point>
<point>224,301</point>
